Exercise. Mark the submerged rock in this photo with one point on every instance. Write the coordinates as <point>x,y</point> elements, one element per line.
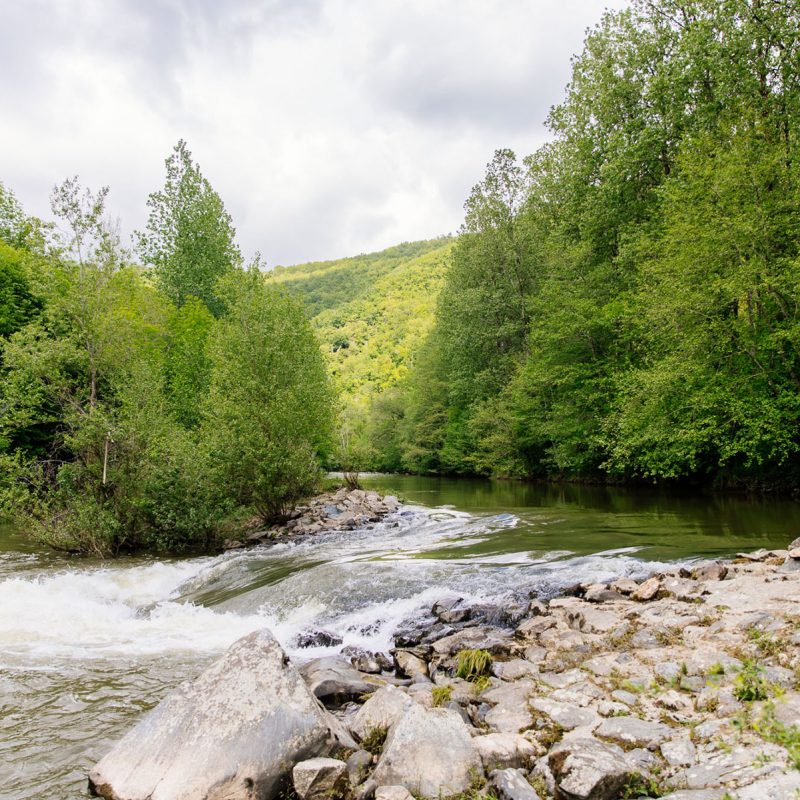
<point>234,732</point>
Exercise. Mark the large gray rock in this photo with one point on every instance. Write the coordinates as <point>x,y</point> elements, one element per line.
<point>234,732</point>
<point>430,753</point>
<point>585,769</point>
<point>334,680</point>
<point>320,779</point>
<point>393,793</point>
<point>381,711</point>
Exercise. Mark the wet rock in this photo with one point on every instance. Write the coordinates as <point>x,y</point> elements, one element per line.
<point>586,769</point>
<point>320,779</point>
<point>634,732</point>
<point>431,753</point>
<point>318,638</point>
<point>502,750</point>
<point>450,610</point>
<point>365,661</point>
<point>232,544</point>
<point>511,784</point>
<point>235,731</point>
<point>381,711</point>
<point>334,681</point>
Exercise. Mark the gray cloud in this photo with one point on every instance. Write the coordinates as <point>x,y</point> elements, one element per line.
<point>329,127</point>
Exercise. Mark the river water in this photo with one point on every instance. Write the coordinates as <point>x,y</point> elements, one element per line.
<point>86,646</point>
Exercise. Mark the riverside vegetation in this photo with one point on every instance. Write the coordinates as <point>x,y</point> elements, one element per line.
<point>150,406</point>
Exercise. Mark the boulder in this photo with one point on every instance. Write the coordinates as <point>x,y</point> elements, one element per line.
<point>233,732</point>
<point>503,750</point>
<point>334,680</point>
<point>431,753</point>
<point>381,711</point>
<point>320,779</point>
<point>511,784</point>
<point>585,769</point>
<point>565,715</point>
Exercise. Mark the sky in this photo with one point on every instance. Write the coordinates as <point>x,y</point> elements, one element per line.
<point>328,127</point>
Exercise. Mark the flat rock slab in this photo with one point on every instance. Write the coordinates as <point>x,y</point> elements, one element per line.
<point>431,753</point>
<point>234,732</point>
<point>634,732</point>
<point>483,637</point>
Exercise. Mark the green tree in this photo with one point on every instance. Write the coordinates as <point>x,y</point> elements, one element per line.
<point>189,237</point>
<point>269,412</point>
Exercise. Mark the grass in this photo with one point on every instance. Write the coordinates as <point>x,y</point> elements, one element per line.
<point>373,740</point>
<point>473,664</point>
<point>639,786</point>
<point>442,695</point>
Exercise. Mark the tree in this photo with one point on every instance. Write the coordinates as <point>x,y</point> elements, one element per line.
<point>189,236</point>
<point>269,411</point>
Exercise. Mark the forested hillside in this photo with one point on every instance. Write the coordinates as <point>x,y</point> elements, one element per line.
<point>624,304</point>
<point>372,314</point>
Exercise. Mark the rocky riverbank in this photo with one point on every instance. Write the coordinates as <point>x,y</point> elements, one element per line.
<point>340,510</point>
<point>681,686</point>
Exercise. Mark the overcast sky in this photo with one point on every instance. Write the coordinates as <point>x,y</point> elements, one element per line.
<point>329,127</point>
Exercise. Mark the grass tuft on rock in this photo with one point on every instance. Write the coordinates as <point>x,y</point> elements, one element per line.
<point>373,740</point>
<point>473,664</point>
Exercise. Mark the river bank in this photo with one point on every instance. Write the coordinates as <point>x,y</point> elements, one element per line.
<point>682,685</point>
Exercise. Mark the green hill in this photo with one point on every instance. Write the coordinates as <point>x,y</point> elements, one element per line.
<point>371,311</point>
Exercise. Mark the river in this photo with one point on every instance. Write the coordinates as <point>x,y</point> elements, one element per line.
<point>86,646</point>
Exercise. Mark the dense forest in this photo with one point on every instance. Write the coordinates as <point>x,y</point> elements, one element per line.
<point>623,304</point>
<point>150,402</point>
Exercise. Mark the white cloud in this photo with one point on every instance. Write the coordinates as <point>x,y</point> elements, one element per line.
<point>329,127</point>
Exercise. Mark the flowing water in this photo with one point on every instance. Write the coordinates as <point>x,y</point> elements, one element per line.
<point>86,646</point>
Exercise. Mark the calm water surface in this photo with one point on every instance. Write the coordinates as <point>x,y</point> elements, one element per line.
<point>86,646</point>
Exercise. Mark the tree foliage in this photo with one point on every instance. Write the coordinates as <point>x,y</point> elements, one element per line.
<point>189,239</point>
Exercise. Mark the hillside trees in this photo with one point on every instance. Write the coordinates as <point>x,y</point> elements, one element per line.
<point>661,302</point>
